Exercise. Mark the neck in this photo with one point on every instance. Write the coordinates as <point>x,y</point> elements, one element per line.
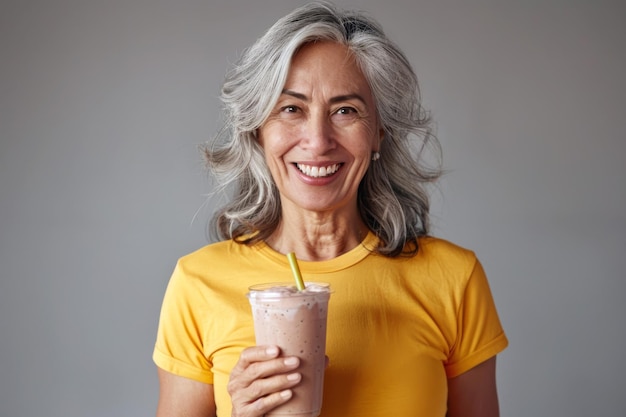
<point>316,237</point>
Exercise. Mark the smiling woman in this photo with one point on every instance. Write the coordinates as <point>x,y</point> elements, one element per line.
<point>323,144</point>
<point>393,199</point>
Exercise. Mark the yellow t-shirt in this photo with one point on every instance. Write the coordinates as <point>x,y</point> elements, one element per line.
<point>397,328</point>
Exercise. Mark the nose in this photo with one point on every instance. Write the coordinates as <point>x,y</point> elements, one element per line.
<point>318,135</point>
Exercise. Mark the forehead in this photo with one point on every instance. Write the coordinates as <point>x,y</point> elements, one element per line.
<point>328,59</point>
<point>326,62</point>
<point>323,50</point>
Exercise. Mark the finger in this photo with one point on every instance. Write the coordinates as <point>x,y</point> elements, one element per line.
<point>261,373</point>
<point>271,401</point>
<point>254,354</point>
<point>263,394</point>
<point>258,370</point>
<point>267,386</point>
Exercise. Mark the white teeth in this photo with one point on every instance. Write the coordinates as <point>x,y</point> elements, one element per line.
<point>316,172</point>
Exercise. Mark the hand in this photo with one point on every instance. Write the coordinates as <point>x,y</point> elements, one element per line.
<point>261,380</point>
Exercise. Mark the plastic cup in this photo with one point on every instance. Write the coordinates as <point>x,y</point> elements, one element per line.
<point>295,321</point>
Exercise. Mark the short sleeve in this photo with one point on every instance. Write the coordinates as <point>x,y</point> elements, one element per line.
<point>180,341</point>
<point>479,332</point>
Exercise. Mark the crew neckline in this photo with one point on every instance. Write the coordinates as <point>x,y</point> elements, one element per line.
<point>346,260</point>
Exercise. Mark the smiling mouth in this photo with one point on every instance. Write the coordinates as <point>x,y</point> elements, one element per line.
<point>318,172</point>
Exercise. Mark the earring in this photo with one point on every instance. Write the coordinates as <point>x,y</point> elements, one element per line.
<point>375,156</point>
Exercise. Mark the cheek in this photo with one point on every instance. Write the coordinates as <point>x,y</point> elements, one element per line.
<point>264,138</point>
<point>365,141</point>
<point>268,133</point>
<point>276,139</point>
<point>272,145</point>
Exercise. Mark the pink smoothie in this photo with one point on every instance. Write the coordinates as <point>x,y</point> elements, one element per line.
<point>295,321</point>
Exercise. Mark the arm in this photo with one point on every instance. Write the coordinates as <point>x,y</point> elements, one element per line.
<point>180,396</point>
<point>474,393</point>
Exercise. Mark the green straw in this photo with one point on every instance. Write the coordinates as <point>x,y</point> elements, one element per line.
<point>296,270</point>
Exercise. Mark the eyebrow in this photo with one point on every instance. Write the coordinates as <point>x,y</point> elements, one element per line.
<point>333,100</point>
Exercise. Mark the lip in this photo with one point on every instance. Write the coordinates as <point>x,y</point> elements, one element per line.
<point>317,180</point>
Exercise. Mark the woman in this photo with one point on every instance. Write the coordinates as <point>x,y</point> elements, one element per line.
<point>324,142</point>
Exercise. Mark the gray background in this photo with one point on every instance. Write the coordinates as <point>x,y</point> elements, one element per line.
<point>103,103</point>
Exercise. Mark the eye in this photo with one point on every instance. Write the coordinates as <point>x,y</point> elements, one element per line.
<point>290,109</point>
<point>345,111</point>
<point>345,114</point>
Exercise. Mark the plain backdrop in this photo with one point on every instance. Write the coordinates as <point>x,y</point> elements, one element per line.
<point>103,104</point>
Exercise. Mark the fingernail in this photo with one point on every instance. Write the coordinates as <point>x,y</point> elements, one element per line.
<point>291,361</point>
<point>293,377</point>
<point>272,351</point>
<point>286,393</point>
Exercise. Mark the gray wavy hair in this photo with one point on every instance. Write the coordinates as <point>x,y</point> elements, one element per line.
<point>392,197</point>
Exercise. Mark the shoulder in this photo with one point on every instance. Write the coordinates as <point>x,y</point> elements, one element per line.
<point>212,259</point>
<point>214,252</point>
<point>446,265</point>
<point>209,250</point>
<point>440,250</point>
